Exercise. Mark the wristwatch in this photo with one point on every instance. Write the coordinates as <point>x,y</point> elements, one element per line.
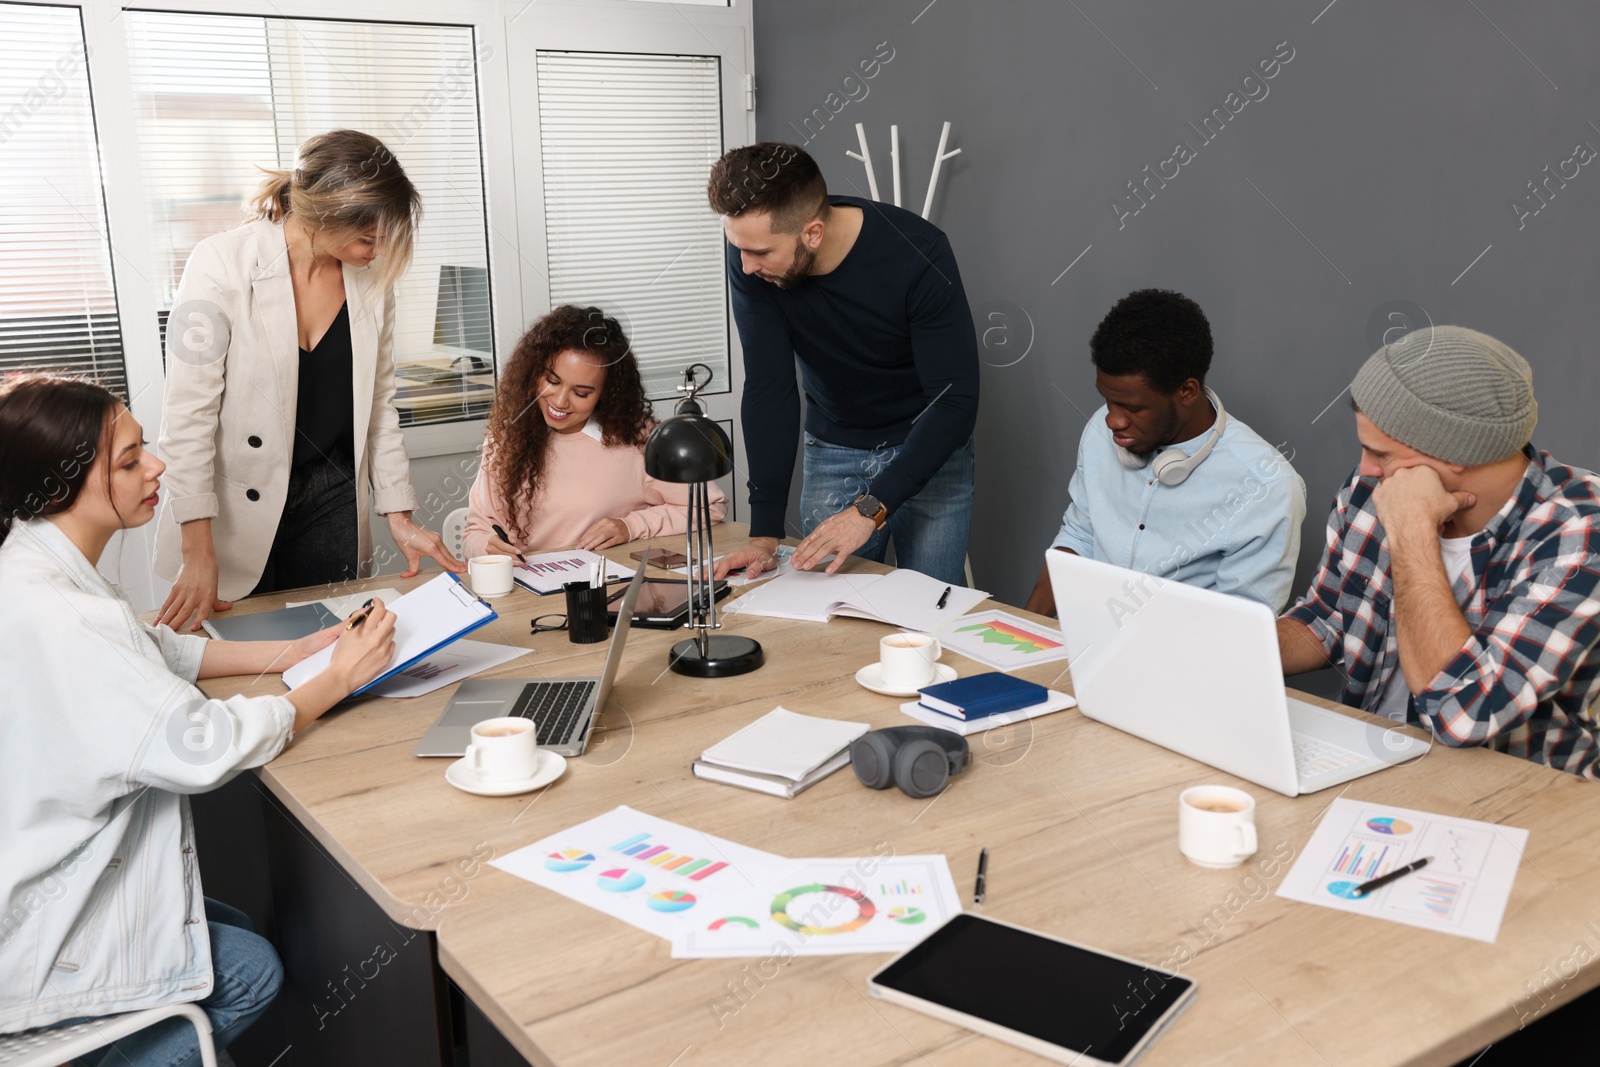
<point>872,508</point>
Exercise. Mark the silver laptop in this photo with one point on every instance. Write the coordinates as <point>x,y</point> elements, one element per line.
<point>564,710</point>
<point>1198,672</point>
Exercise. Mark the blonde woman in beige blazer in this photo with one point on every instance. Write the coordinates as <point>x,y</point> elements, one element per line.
<point>279,430</point>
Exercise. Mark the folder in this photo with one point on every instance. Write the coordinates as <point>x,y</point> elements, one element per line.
<point>427,619</point>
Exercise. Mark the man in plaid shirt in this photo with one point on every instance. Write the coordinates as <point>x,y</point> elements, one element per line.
<point>1461,585</point>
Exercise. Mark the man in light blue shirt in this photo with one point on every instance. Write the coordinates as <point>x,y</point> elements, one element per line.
<point>1167,482</point>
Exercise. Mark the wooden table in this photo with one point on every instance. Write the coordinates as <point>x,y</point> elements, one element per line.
<point>1080,821</point>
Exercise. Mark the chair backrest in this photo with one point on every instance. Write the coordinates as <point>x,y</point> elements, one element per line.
<point>56,1045</point>
<point>455,524</point>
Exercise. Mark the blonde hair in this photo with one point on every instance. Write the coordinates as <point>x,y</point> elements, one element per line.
<point>344,184</point>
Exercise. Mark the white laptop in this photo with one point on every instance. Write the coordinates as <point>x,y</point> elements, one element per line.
<point>1198,672</point>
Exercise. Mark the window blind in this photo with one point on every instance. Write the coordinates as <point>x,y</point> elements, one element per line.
<point>627,143</point>
<point>58,307</point>
<point>218,95</point>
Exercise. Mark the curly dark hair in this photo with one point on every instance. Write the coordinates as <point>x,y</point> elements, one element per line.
<point>1158,333</point>
<point>518,444</point>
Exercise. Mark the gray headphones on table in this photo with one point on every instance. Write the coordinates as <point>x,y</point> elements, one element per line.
<point>1171,466</point>
<point>918,759</point>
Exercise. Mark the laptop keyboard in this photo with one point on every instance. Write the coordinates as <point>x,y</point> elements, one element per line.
<point>556,708</point>
<point>1313,757</point>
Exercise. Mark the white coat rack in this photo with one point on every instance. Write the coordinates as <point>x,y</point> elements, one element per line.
<point>865,158</point>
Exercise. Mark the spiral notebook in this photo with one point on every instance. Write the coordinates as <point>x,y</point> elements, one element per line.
<point>428,618</point>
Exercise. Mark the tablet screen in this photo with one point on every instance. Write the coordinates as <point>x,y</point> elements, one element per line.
<point>1069,996</point>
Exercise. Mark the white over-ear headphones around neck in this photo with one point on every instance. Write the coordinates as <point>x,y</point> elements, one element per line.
<point>1171,465</point>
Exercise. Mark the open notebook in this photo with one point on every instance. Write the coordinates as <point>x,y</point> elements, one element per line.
<point>903,598</point>
<point>426,619</point>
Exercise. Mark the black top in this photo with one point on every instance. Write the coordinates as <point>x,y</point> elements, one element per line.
<point>887,353</point>
<point>324,414</point>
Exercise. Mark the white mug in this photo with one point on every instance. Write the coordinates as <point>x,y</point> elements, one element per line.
<point>905,661</point>
<point>490,575</point>
<point>1216,825</point>
<point>503,750</point>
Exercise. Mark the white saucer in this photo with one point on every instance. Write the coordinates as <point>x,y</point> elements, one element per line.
<point>552,765</point>
<point>871,677</point>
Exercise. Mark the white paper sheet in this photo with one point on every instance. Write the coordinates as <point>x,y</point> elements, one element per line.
<point>428,615</point>
<point>347,605</point>
<point>450,664</point>
<point>827,907</point>
<point>648,872</point>
<point>904,598</point>
<point>547,572</point>
<point>1002,640</point>
<point>1463,890</point>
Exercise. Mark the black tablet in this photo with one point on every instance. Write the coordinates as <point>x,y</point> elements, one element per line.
<point>663,603</point>
<point>1060,1000</point>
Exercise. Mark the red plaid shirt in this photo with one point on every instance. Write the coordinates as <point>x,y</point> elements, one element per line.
<point>1527,680</point>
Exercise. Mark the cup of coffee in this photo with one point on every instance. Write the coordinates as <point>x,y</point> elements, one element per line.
<point>905,661</point>
<point>503,750</point>
<point>489,575</point>
<point>1216,825</point>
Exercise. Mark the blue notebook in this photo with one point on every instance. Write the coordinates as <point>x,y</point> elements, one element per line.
<point>982,694</point>
<point>428,618</point>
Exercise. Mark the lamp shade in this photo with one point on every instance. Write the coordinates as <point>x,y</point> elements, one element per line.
<point>686,449</point>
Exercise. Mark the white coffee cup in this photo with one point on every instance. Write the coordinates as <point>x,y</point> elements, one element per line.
<point>1216,825</point>
<point>905,661</point>
<point>490,575</point>
<point>503,750</point>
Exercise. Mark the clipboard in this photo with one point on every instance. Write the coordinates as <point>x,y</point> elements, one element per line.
<point>427,619</point>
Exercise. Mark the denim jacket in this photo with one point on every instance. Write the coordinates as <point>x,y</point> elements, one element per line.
<point>102,732</point>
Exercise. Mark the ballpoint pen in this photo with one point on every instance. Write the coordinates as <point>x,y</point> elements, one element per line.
<point>944,598</point>
<point>359,617</point>
<point>502,535</point>
<point>1378,883</point>
<point>983,875</point>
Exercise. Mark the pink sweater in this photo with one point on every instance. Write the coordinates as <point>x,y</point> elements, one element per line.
<point>583,482</point>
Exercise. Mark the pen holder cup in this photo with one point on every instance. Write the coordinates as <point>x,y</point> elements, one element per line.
<point>586,613</point>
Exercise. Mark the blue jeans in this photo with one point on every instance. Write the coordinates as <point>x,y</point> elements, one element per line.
<point>246,976</point>
<point>929,531</point>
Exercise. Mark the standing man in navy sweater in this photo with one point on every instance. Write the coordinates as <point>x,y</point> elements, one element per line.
<point>868,299</point>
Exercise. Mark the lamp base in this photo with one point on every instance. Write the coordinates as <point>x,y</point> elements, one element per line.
<point>729,654</point>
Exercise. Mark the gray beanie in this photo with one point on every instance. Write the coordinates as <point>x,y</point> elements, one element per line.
<point>1451,393</point>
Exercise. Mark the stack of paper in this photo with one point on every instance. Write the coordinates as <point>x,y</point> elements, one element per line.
<point>713,897</point>
<point>546,572</point>
<point>781,753</point>
<point>904,598</point>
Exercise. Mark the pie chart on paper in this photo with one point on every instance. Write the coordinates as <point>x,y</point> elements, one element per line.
<point>620,881</point>
<point>568,860</point>
<point>1386,824</point>
<point>671,900</point>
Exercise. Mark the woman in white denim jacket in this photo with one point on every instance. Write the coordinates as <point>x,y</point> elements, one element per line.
<point>102,734</point>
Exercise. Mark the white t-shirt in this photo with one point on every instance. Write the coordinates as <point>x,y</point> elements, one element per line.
<point>1457,555</point>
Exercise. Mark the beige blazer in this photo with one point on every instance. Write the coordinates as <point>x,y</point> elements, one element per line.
<point>227,427</point>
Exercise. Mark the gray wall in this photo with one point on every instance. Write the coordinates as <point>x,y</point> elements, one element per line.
<point>1390,148</point>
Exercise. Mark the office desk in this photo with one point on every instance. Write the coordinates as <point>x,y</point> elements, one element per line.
<point>1080,821</point>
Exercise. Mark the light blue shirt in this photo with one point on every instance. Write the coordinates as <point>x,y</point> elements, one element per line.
<point>1233,525</point>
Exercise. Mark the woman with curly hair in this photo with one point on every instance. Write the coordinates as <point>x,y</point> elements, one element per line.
<point>563,460</point>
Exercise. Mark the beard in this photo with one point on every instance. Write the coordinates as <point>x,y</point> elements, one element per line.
<point>798,270</point>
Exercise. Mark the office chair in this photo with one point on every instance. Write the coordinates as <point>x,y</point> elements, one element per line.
<point>50,1047</point>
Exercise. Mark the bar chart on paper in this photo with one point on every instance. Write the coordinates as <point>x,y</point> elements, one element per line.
<point>648,872</point>
<point>547,572</point>
<point>696,870</point>
<point>1462,890</point>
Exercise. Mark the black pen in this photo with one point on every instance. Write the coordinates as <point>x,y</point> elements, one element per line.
<point>1378,883</point>
<point>983,873</point>
<point>502,535</point>
<point>944,598</point>
<point>359,617</point>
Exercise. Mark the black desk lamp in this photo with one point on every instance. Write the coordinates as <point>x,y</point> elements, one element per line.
<point>690,449</point>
